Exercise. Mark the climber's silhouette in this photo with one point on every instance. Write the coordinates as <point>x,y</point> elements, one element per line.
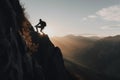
<point>40,25</point>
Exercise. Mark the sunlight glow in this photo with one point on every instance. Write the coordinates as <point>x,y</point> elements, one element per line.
<point>49,31</point>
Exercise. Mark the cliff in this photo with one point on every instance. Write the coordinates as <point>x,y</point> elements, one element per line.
<point>24,53</point>
<point>50,58</point>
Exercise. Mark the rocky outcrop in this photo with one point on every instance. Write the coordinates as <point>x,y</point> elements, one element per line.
<point>50,58</point>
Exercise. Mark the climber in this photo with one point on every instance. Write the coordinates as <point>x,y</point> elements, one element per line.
<point>41,25</point>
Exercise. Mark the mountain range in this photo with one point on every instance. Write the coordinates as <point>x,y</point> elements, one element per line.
<point>99,54</point>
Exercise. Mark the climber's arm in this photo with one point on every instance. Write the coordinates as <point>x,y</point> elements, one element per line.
<point>38,24</point>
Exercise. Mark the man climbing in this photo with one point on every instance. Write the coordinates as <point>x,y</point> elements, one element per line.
<point>40,25</point>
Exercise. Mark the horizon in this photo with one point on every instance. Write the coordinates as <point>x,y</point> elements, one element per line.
<point>86,36</point>
<point>63,17</point>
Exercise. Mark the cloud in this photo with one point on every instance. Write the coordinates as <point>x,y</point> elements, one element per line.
<point>111,27</point>
<point>92,16</point>
<point>89,17</point>
<point>111,13</point>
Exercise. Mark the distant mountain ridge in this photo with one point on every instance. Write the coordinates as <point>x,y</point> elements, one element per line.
<point>72,45</point>
<point>101,54</point>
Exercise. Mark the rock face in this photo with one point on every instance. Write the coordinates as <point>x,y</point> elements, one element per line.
<point>25,54</point>
<point>50,58</point>
<point>15,63</point>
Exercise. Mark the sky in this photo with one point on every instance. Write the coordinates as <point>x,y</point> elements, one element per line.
<point>78,17</point>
